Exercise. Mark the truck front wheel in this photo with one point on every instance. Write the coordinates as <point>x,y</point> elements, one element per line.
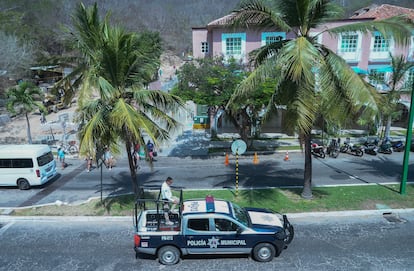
<point>168,255</point>
<point>264,252</point>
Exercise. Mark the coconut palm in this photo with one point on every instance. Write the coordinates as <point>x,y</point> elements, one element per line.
<point>308,76</point>
<point>26,97</point>
<point>400,66</point>
<point>114,105</point>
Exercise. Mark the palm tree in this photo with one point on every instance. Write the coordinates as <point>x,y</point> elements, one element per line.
<point>116,67</point>
<point>26,97</point>
<point>400,66</point>
<point>308,76</point>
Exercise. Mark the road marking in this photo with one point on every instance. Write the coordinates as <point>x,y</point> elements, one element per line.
<point>3,229</point>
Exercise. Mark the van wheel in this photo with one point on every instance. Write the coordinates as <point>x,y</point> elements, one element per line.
<point>23,184</point>
<point>264,252</point>
<point>168,255</point>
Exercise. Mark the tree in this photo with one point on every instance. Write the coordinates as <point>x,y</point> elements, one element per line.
<point>16,57</point>
<point>212,81</point>
<point>25,98</point>
<point>400,66</point>
<point>115,66</point>
<point>209,81</point>
<point>307,75</point>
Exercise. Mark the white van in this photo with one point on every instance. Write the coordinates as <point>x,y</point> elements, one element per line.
<point>26,165</point>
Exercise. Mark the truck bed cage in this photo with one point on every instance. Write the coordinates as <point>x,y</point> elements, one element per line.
<point>156,204</point>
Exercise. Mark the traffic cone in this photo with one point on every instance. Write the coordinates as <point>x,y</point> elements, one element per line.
<point>226,160</point>
<point>255,159</point>
<point>286,156</point>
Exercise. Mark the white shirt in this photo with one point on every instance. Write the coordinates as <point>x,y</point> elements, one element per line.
<point>166,191</point>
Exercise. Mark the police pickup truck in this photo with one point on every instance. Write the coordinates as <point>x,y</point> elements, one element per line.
<point>209,226</point>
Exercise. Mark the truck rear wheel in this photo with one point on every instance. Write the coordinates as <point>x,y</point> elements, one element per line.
<point>169,255</point>
<point>264,252</point>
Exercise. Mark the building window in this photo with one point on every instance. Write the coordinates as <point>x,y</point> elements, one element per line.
<point>204,47</point>
<point>349,46</point>
<point>411,50</point>
<point>349,43</point>
<point>380,43</point>
<point>380,47</point>
<point>271,37</point>
<point>378,78</point>
<point>409,79</point>
<point>234,45</point>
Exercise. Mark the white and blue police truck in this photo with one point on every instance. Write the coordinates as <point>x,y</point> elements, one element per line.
<point>209,227</point>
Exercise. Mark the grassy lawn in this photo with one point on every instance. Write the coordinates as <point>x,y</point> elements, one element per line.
<point>283,200</point>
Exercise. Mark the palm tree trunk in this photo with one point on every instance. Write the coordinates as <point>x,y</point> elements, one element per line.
<point>29,133</point>
<point>388,127</point>
<point>307,184</point>
<point>132,169</point>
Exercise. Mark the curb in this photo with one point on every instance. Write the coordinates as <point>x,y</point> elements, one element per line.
<point>334,214</point>
<point>354,213</point>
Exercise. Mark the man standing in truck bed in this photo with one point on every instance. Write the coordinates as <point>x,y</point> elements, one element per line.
<point>168,198</point>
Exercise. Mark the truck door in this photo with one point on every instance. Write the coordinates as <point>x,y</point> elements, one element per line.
<point>228,240</point>
<point>197,234</point>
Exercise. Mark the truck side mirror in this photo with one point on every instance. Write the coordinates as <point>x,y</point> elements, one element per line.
<point>239,230</point>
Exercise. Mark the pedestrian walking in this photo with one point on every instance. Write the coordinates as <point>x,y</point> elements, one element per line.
<point>88,160</point>
<point>150,150</point>
<point>108,158</point>
<point>61,157</point>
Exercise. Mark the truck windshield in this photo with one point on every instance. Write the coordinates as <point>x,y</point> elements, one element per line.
<point>240,214</point>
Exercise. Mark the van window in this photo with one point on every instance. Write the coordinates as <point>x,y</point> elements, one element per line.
<point>45,159</point>
<point>5,163</point>
<point>22,163</point>
<point>16,163</point>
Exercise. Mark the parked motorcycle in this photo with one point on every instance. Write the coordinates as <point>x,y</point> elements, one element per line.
<point>370,147</point>
<point>350,148</point>
<point>333,148</point>
<point>317,150</point>
<point>385,147</point>
<point>398,146</point>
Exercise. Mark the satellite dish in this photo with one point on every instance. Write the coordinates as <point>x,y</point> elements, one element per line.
<point>238,147</point>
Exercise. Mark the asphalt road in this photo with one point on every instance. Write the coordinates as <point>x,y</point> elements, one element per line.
<point>75,184</point>
<point>321,243</point>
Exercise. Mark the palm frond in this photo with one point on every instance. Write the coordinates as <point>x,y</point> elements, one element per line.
<point>257,13</point>
<point>299,58</point>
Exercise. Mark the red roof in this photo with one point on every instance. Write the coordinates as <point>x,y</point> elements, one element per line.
<point>371,12</point>
<point>382,12</point>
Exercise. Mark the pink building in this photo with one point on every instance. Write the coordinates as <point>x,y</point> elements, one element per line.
<point>365,53</point>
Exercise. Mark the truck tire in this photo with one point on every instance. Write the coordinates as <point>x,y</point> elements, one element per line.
<point>168,255</point>
<point>23,184</point>
<point>264,252</point>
